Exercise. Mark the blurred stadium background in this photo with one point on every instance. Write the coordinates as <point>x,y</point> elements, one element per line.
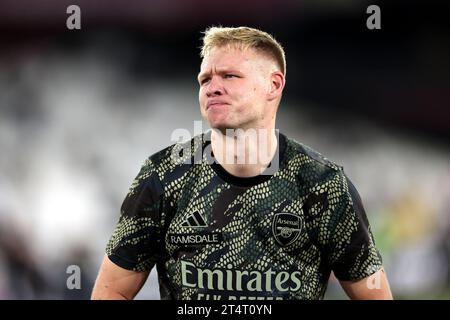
<point>81,110</point>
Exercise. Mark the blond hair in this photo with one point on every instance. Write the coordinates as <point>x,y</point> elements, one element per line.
<point>244,38</point>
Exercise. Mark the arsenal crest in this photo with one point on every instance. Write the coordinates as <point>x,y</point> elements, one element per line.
<point>286,228</point>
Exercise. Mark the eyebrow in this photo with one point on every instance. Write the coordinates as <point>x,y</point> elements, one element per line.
<point>202,75</point>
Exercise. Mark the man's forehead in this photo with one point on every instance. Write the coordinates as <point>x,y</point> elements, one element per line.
<point>228,58</point>
<point>223,56</point>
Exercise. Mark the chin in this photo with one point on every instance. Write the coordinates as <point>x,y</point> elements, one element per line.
<point>219,124</point>
<point>222,123</point>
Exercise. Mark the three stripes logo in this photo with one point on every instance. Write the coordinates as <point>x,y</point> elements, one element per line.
<point>194,220</point>
<point>200,237</point>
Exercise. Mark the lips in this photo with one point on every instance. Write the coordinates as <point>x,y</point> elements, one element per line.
<point>217,103</point>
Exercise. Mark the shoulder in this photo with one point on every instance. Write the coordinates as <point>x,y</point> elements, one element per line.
<point>318,172</point>
<point>175,158</point>
<point>306,158</point>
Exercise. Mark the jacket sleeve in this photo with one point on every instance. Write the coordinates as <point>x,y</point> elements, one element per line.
<point>137,241</point>
<point>350,245</point>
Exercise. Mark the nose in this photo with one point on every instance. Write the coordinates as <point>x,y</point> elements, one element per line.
<point>214,87</point>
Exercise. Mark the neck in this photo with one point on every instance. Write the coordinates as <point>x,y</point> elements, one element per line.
<point>244,153</point>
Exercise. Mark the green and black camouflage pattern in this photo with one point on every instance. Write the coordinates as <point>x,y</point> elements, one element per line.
<point>214,236</point>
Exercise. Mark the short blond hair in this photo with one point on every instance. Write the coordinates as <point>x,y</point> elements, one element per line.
<point>244,38</point>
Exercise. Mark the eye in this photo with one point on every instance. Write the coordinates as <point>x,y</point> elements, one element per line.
<point>204,81</point>
<point>229,75</point>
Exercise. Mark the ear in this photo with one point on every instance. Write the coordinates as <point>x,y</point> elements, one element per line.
<point>277,82</point>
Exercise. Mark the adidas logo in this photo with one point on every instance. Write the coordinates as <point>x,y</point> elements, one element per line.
<point>194,220</point>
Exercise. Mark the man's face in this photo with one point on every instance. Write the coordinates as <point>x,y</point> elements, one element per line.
<point>234,85</point>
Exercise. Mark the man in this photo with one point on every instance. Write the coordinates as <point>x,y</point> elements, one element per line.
<point>259,216</point>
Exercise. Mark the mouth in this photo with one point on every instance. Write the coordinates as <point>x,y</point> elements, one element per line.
<point>215,104</point>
